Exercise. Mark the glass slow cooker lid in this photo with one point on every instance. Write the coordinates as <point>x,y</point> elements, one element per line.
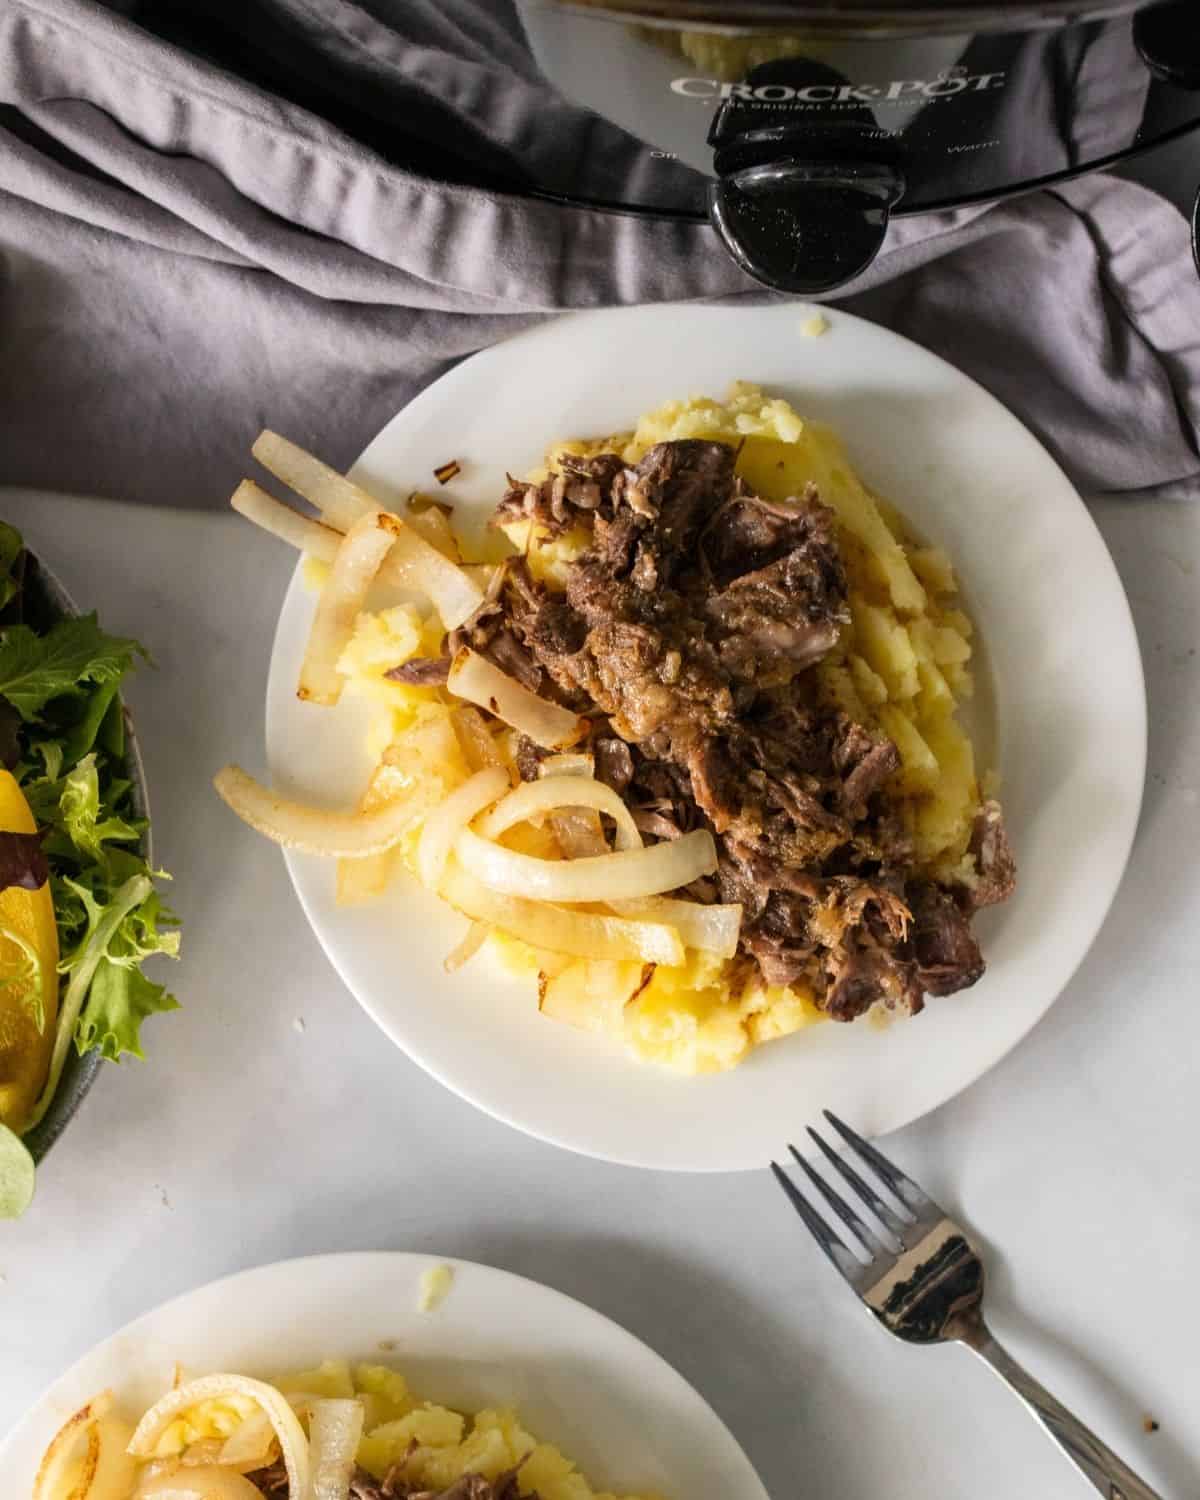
<point>874,17</point>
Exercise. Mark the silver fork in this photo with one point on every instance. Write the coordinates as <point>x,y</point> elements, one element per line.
<point>929,1290</point>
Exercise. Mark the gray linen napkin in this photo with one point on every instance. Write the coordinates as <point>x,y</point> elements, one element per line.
<point>185,258</point>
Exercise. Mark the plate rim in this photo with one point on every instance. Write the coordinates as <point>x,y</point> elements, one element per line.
<point>402,1263</point>
<point>1137,706</point>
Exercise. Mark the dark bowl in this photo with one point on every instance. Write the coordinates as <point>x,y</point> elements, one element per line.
<point>50,599</point>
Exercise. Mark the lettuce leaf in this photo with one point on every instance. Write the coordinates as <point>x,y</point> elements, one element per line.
<point>34,669</point>
<point>148,928</point>
<point>95,724</point>
<point>79,813</point>
<point>106,955</point>
<point>118,1002</point>
<point>120,996</point>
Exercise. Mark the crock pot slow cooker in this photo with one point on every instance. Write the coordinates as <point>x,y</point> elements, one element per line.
<point>800,127</point>
<point>813,122</point>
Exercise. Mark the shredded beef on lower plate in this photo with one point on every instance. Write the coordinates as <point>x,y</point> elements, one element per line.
<point>273,1482</point>
<point>686,632</point>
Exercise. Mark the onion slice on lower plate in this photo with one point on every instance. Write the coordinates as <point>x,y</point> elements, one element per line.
<point>715,928</point>
<point>534,798</point>
<point>334,1428</point>
<point>467,947</point>
<point>621,876</point>
<point>204,1482</point>
<point>558,930</point>
<point>281,521</point>
<point>354,567</point>
<point>293,1445</point>
<point>480,681</point>
<point>249,1446</point>
<point>89,1448</point>
<point>444,824</point>
<point>312,830</point>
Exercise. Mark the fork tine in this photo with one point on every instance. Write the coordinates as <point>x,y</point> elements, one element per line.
<point>843,1259</point>
<point>865,1236</point>
<point>902,1185</point>
<point>888,1216</point>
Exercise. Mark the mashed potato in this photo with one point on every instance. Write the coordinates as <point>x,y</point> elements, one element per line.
<point>902,666</point>
<point>436,1444</point>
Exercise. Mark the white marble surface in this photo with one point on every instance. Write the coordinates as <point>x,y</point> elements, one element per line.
<point>246,1139</point>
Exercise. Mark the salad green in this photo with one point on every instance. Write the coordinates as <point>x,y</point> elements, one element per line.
<point>62,736</point>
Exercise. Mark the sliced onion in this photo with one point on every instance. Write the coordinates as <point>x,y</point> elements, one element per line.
<point>156,1469</point>
<point>568,765</point>
<point>434,525</point>
<point>362,880</point>
<point>578,832</point>
<point>341,600</point>
<point>205,1482</point>
<point>413,563</point>
<point>89,1451</point>
<point>604,877</point>
<point>313,830</point>
<point>250,1445</point>
<point>293,1445</point>
<point>281,521</point>
<point>480,681</point>
<point>475,738</point>
<point>480,574</point>
<point>450,818</point>
<point>334,1428</point>
<point>340,500</point>
<point>556,930</point>
<point>534,798</point>
<point>467,947</point>
<point>715,928</point>
<point>206,1451</point>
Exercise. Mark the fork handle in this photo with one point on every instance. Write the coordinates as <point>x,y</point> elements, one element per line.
<point>1095,1460</point>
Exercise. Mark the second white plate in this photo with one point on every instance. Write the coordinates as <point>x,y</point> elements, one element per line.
<point>580,1382</point>
<point>1070,729</point>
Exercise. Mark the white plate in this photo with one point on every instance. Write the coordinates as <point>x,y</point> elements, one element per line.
<point>1064,720</point>
<point>580,1382</point>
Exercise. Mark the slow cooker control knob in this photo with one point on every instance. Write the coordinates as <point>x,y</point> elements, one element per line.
<point>802,226</point>
<point>1168,39</point>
